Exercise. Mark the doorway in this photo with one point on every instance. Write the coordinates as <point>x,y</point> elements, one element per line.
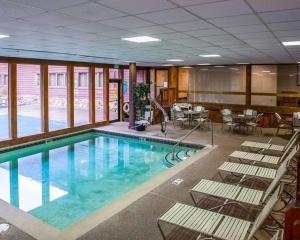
<point>114,100</point>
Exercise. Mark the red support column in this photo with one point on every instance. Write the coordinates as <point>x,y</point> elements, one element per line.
<point>132,83</point>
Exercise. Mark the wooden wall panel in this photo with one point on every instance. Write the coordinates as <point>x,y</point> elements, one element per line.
<point>44,98</point>
<point>13,127</point>
<point>92,95</point>
<point>106,92</point>
<point>71,96</point>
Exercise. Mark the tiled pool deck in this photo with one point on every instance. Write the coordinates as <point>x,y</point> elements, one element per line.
<point>138,220</point>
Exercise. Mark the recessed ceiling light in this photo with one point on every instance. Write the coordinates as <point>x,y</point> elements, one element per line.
<point>203,64</point>
<point>291,43</point>
<point>141,39</point>
<point>175,60</point>
<point>266,71</point>
<point>298,62</point>
<point>272,73</point>
<point>186,67</point>
<point>234,69</point>
<point>219,66</point>
<point>210,55</point>
<point>4,36</point>
<point>243,63</point>
<point>167,65</point>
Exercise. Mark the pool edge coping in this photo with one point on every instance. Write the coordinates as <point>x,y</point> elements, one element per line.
<point>44,231</point>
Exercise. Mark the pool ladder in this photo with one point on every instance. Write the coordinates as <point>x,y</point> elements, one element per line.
<point>173,157</point>
<point>180,156</point>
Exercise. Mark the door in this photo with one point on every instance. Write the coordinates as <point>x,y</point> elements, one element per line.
<point>114,100</point>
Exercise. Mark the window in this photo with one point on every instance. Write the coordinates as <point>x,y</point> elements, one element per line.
<point>4,126</point>
<point>38,79</point>
<point>275,85</point>
<point>28,100</point>
<point>82,79</point>
<point>99,95</point>
<point>61,79</point>
<point>57,97</point>
<point>81,96</point>
<point>3,79</point>
<point>57,79</point>
<point>211,84</point>
<point>99,79</point>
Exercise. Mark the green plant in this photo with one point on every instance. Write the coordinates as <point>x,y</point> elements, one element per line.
<point>141,98</point>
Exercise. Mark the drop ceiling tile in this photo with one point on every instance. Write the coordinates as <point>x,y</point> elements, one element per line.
<point>190,25</point>
<point>284,26</point>
<point>195,2</point>
<point>288,33</point>
<point>221,9</point>
<point>50,5</point>
<point>206,32</point>
<point>281,16</point>
<point>246,29</point>
<point>259,35</point>
<point>138,6</point>
<point>233,21</point>
<point>221,40</point>
<point>128,22</point>
<point>167,36</point>
<point>91,11</point>
<point>168,16</point>
<point>15,10</point>
<point>93,27</point>
<point>273,5</point>
<point>54,19</point>
<point>152,30</point>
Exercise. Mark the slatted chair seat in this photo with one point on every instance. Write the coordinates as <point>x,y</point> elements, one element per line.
<point>229,191</point>
<point>245,169</point>
<point>275,147</point>
<point>278,235</point>
<point>192,218</point>
<point>255,157</point>
<point>268,146</point>
<point>232,229</point>
<point>216,224</point>
<point>250,196</point>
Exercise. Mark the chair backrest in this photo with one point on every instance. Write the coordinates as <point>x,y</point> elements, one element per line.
<point>178,114</point>
<point>177,108</point>
<point>278,117</point>
<point>278,235</point>
<point>199,108</point>
<point>226,112</point>
<point>265,212</point>
<point>248,112</point>
<point>292,139</point>
<point>259,117</point>
<point>280,173</point>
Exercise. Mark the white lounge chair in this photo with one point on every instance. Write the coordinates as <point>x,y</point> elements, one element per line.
<point>259,146</point>
<point>262,158</point>
<point>255,171</point>
<point>213,224</point>
<point>237,193</point>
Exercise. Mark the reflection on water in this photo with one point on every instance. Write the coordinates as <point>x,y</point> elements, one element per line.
<point>61,185</point>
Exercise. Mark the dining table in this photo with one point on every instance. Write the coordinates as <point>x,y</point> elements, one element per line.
<point>241,120</point>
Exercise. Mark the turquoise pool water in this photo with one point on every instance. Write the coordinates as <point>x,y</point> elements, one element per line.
<point>63,181</point>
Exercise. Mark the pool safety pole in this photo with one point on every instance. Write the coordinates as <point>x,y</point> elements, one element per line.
<point>212,132</point>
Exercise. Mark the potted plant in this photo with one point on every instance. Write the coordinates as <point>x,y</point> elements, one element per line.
<point>141,98</point>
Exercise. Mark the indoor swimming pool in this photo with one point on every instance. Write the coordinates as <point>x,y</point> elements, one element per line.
<point>63,181</point>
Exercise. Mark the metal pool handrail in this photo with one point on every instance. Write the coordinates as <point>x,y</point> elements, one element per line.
<point>188,134</point>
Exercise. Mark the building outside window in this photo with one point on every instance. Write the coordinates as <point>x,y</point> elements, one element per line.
<point>57,80</point>
<point>3,79</point>
<point>82,79</point>
<point>99,80</point>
